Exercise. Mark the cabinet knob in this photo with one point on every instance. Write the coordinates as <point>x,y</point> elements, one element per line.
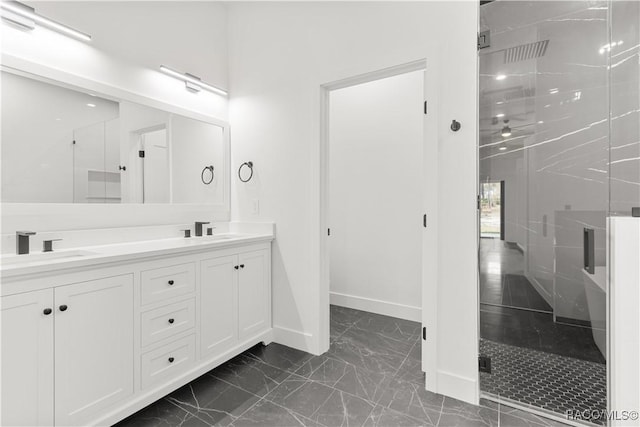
<point>63,307</point>
<point>171,359</point>
<point>171,320</point>
<point>236,267</point>
<point>241,265</point>
<point>47,311</point>
<point>171,282</point>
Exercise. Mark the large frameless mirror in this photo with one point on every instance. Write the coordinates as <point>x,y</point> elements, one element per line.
<point>64,145</point>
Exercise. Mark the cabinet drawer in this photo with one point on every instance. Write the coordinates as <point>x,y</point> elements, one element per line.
<point>168,361</point>
<point>165,283</point>
<point>167,321</point>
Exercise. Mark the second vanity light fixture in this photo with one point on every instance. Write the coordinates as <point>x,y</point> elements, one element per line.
<point>192,83</point>
<point>26,17</point>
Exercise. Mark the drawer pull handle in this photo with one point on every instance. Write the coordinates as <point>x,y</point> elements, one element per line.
<point>47,311</point>
<point>171,359</point>
<point>63,307</point>
<point>171,320</point>
<point>171,282</point>
<point>241,265</point>
<point>236,267</point>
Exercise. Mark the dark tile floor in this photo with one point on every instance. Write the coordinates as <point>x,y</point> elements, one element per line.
<point>371,376</point>
<point>502,280</point>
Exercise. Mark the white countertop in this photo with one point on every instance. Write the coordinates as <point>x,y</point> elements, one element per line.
<point>40,262</point>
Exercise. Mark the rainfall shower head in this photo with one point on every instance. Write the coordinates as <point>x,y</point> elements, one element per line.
<point>527,51</point>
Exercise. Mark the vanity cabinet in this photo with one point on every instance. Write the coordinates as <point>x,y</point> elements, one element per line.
<point>94,344</point>
<point>254,300</point>
<point>27,359</point>
<point>218,304</point>
<point>234,299</point>
<point>80,334</point>
<point>93,347</point>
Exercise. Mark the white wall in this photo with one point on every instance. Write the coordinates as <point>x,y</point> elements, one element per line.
<point>280,54</point>
<point>376,195</point>
<point>624,327</point>
<point>129,58</point>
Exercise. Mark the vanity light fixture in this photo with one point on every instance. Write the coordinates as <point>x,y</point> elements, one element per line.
<point>506,131</point>
<point>25,17</point>
<point>192,83</point>
<point>501,77</point>
<point>500,115</point>
<point>91,105</point>
<point>502,148</point>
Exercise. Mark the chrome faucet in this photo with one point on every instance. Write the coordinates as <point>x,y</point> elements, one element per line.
<point>199,228</point>
<point>22,241</point>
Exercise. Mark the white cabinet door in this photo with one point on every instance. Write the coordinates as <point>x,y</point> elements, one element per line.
<point>218,305</point>
<point>27,359</point>
<point>93,347</point>
<point>253,293</point>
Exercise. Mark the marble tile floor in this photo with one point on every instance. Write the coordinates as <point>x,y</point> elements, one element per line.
<point>371,376</point>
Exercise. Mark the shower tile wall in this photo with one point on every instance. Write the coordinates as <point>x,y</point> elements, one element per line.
<point>546,78</point>
<point>625,107</point>
<point>555,163</point>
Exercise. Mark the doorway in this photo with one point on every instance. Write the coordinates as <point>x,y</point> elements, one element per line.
<point>378,171</point>
<point>492,210</point>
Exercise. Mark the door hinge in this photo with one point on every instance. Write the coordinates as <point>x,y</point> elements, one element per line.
<point>73,142</point>
<point>424,333</point>
<point>328,232</point>
<point>141,153</point>
<point>484,364</point>
<point>424,220</point>
<point>484,39</point>
<point>478,203</point>
<point>425,107</point>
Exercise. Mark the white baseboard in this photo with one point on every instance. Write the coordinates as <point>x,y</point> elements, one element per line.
<point>386,308</point>
<point>294,339</point>
<point>461,388</point>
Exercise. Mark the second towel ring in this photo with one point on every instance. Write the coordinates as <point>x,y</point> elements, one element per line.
<point>250,166</point>
<point>207,168</point>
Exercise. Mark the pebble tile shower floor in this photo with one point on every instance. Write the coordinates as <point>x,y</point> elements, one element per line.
<point>548,381</point>
<point>370,377</point>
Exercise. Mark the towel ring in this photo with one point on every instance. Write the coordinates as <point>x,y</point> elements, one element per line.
<point>207,168</point>
<point>250,166</point>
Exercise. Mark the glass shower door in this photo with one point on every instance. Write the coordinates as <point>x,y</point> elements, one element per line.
<point>544,133</point>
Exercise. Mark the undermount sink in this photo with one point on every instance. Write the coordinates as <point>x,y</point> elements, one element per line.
<point>7,260</point>
<point>222,236</point>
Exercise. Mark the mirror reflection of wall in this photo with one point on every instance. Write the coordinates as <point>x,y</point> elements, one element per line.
<point>39,124</point>
<point>196,145</point>
<point>67,146</point>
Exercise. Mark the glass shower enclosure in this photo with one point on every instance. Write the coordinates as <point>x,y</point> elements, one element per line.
<point>559,120</point>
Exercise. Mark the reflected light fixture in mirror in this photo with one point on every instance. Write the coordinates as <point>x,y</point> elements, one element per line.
<point>506,131</point>
<point>25,17</point>
<point>192,82</point>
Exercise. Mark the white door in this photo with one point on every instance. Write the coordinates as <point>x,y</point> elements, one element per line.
<point>27,359</point>
<point>253,297</point>
<point>430,230</point>
<point>156,167</point>
<point>218,304</point>
<point>93,347</point>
